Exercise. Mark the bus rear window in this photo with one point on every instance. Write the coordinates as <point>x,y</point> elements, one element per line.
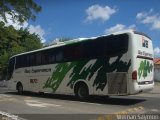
<point>142,34</point>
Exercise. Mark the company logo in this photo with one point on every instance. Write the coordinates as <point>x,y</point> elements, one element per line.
<point>144,43</point>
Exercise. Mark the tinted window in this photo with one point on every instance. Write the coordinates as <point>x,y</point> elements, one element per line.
<point>45,57</point>
<point>73,52</point>
<point>97,48</point>
<point>88,49</point>
<point>117,44</point>
<point>38,58</point>
<point>52,56</point>
<point>19,61</point>
<point>27,57</point>
<point>107,46</point>
<point>32,59</point>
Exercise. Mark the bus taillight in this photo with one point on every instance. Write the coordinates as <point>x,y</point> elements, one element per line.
<point>134,75</point>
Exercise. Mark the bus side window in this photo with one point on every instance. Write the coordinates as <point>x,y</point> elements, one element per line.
<point>88,47</point>
<point>38,58</point>
<point>117,45</point>
<point>20,62</point>
<point>68,53</point>
<point>27,60</point>
<point>73,52</point>
<point>59,56</point>
<point>78,51</point>
<point>52,58</point>
<point>45,58</point>
<point>17,62</point>
<point>32,59</point>
<point>99,48</point>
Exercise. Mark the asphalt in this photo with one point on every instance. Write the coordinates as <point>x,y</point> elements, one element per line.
<point>35,106</point>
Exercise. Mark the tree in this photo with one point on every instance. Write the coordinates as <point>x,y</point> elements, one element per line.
<point>14,41</point>
<point>57,41</point>
<point>21,10</point>
<point>29,41</point>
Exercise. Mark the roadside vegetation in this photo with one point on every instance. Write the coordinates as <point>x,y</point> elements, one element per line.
<point>13,41</point>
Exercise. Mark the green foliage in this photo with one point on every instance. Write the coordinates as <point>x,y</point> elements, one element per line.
<point>3,59</point>
<point>21,10</point>
<point>14,41</point>
<point>29,41</point>
<point>63,39</point>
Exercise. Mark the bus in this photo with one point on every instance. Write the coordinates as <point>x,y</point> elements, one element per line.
<point>120,63</point>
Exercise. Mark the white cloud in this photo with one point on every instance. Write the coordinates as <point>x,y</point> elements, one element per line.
<point>17,25</point>
<point>37,30</point>
<point>119,27</point>
<point>96,12</point>
<point>157,50</point>
<point>149,18</point>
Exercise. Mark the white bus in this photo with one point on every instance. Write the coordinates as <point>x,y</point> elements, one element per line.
<point>117,64</point>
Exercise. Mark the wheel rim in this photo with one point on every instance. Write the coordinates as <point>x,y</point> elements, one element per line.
<point>20,88</point>
<point>82,92</point>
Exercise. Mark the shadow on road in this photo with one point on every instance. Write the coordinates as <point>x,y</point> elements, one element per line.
<point>116,100</point>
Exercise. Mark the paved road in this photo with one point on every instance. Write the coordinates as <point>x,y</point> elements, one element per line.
<point>35,106</point>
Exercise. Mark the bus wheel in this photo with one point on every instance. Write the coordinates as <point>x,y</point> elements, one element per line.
<point>19,88</point>
<point>81,91</point>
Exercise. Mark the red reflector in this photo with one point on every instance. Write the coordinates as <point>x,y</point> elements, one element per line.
<point>134,75</point>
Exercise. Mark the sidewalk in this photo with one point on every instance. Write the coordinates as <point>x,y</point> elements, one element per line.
<point>7,116</point>
<point>156,89</point>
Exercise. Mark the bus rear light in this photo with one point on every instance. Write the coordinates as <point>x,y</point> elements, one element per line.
<point>134,75</point>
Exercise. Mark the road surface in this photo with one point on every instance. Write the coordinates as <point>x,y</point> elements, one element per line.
<point>34,106</point>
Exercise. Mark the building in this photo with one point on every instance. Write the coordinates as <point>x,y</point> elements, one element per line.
<point>157,69</point>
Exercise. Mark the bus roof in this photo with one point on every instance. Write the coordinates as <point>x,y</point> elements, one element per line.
<point>72,42</point>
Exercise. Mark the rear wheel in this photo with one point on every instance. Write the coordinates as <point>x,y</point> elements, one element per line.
<point>20,88</point>
<point>81,91</point>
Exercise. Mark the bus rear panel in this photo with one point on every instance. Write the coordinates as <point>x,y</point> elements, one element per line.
<point>143,68</point>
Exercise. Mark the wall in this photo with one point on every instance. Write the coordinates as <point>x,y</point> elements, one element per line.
<point>157,72</point>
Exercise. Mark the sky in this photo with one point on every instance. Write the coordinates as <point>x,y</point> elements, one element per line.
<point>89,18</point>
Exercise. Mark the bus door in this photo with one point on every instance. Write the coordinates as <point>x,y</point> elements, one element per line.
<point>10,68</point>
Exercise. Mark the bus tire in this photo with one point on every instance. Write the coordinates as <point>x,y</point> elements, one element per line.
<point>81,91</point>
<point>20,88</point>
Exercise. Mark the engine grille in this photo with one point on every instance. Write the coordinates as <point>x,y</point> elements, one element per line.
<point>117,83</point>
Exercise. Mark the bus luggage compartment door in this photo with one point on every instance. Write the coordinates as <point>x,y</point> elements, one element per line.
<point>117,83</point>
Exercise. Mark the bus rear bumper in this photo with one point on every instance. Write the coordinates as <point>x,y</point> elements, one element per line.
<point>146,88</point>
<point>142,88</point>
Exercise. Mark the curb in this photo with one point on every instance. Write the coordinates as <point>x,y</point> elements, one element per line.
<point>7,116</point>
